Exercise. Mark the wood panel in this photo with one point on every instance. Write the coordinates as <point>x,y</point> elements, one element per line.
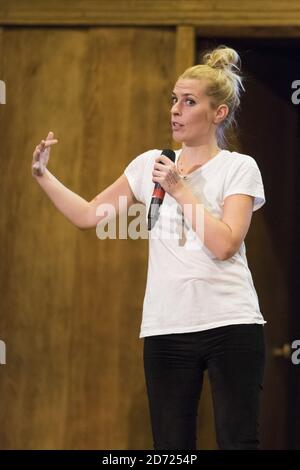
<point>71,303</point>
<point>1,74</point>
<point>270,69</point>
<point>204,13</point>
<point>185,48</point>
<point>184,54</point>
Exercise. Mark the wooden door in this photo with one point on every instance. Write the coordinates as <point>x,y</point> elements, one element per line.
<point>71,303</point>
<point>268,130</point>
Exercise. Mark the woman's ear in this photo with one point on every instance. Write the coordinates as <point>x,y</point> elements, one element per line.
<point>221,113</point>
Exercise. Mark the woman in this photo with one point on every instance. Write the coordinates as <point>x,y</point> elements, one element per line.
<point>200,309</point>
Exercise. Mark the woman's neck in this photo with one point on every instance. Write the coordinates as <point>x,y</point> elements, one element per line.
<point>199,155</point>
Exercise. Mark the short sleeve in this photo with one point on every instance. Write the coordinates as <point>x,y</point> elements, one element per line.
<point>244,177</point>
<point>135,173</point>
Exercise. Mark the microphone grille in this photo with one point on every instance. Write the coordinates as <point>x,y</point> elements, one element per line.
<point>170,154</point>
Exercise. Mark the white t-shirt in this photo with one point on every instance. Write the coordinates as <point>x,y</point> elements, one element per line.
<point>189,289</point>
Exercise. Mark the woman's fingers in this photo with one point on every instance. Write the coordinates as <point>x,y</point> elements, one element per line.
<point>49,142</point>
<point>50,138</point>
<point>46,143</point>
<point>41,153</point>
<point>36,153</point>
<point>43,145</point>
<point>50,135</point>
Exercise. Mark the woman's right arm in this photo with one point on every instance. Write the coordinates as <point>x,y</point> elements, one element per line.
<point>77,210</point>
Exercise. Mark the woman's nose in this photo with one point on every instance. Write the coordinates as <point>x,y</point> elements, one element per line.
<point>175,108</point>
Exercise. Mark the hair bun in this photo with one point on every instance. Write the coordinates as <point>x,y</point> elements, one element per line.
<point>222,57</point>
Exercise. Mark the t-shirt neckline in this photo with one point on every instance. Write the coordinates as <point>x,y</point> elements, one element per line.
<point>205,165</point>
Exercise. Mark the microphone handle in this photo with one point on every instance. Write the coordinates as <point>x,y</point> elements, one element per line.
<point>154,211</point>
<point>158,192</point>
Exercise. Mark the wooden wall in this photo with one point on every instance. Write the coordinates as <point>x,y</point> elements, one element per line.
<point>71,303</point>
<point>243,17</point>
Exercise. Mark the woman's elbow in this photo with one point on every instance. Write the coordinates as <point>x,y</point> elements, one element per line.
<point>226,252</point>
<point>224,256</point>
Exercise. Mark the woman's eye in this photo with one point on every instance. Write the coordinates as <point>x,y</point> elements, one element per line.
<point>190,102</point>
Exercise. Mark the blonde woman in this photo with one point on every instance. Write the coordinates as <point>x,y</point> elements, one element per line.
<point>200,310</point>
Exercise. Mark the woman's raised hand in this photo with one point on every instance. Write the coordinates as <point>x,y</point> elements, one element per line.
<point>41,155</point>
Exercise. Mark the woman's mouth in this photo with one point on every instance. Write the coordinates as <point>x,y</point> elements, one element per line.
<point>176,126</point>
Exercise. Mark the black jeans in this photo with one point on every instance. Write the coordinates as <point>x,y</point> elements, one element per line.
<point>174,364</point>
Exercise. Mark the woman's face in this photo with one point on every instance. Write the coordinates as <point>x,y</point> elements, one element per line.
<point>193,119</point>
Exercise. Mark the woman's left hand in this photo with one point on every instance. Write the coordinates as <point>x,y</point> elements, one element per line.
<point>166,174</point>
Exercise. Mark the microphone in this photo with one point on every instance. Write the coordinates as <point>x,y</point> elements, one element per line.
<point>158,194</point>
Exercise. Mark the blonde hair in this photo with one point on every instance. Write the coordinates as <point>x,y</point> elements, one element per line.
<point>221,70</point>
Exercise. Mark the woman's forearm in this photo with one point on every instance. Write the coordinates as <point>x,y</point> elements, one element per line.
<point>70,204</point>
<point>213,233</point>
